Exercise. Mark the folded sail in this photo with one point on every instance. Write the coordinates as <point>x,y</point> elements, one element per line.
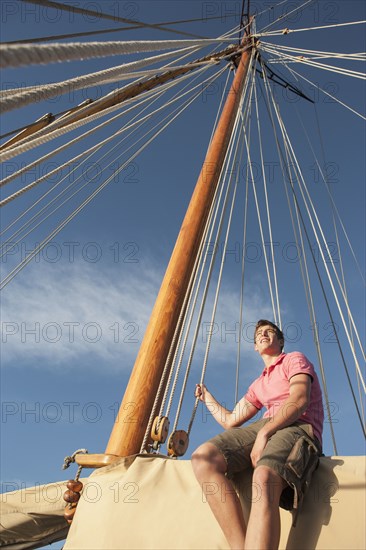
<point>157,503</point>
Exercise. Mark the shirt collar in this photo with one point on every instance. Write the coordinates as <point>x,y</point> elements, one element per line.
<point>278,360</point>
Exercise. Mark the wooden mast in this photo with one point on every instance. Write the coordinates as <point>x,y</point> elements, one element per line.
<point>131,423</point>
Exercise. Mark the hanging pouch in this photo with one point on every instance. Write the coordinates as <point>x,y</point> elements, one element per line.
<point>303,458</point>
<point>300,464</point>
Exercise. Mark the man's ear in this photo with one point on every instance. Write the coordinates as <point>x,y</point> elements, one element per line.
<point>282,342</point>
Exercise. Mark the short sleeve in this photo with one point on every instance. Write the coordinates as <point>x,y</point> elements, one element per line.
<point>297,363</point>
<point>252,398</point>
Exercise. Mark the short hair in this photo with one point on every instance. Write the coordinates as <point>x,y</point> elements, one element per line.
<point>279,333</point>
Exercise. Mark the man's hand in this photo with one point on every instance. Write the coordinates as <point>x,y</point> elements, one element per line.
<point>242,412</point>
<point>201,392</point>
<point>258,447</point>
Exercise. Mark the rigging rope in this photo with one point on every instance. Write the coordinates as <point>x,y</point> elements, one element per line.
<point>289,154</point>
<point>179,342</point>
<point>72,184</point>
<point>68,118</point>
<point>324,241</point>
<point>208,278</point>
<point>101,15</point>
<point>204,251</point>
<point>174,347</point>
<point>287,176</point>
<point>285,164</point>
<point>334,206</point>
<point>93,148</point>
<point>6,245</point>
<point>306,61</point>
<point>360,56</point>
<point>98,108</point>
<point>218,232</point>
<point>17,56</point>
<point>260,225</point>
<point>304,189</point>
<point>244,241</point>
<point>335,209</point>
<point>39,247</point>
<point>170,362</point>
<point>326,93</point>
<point>300,179</point>
<point>192,303</point>
<point>277,316</point>
<point>75,165</point>
<point>160,92</point>
<point>285,15</point>
<point>27,145</point>
<point>69,144</point>
<point>199,314</point>
<point>274,6</point>
<point>325,179</point>
<point>22,97</point>
<point>54,90</point>
<point>117,29</point>
<point>288,31</point>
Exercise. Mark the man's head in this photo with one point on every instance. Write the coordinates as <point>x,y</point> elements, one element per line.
<point>263,327</point>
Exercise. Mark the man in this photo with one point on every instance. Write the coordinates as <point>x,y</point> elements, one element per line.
<point>283,447</point>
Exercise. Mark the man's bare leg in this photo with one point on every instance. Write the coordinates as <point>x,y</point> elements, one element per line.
<point>209,466</point>
<point>264,526</point>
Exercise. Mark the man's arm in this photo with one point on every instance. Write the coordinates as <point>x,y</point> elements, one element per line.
<point>296,403</point>
<point>243,410</point>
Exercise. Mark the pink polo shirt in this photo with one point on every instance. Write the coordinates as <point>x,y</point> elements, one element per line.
<point>272,388</point>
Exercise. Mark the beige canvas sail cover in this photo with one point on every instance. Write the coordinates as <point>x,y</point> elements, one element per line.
<point>157,503</point>
<point>33,517</point>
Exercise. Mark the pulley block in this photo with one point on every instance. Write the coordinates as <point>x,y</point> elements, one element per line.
<point>160,429</point>
<point>178,443</point>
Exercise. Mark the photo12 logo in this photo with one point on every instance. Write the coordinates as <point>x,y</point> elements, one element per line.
<point>72,251</point>
<point>69,332</point>
<point>87,11</point>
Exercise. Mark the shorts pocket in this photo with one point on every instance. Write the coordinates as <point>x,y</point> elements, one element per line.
<point>303,458</point>
<point>300,464</point>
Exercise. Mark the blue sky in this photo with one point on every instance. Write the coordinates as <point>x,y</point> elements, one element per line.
<point>73,319</point>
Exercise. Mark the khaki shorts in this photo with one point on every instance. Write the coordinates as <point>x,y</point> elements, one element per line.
<point>292,452</point>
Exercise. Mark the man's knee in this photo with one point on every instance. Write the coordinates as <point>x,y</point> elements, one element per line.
<point>268,482</point>
<point>264,474</point>
<point>208,458</point>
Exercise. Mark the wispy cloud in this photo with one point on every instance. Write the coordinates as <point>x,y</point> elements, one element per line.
<point>98,316</point>
<point>87,313</point>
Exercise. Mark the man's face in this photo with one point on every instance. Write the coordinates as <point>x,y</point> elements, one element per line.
<point>266,341</point>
